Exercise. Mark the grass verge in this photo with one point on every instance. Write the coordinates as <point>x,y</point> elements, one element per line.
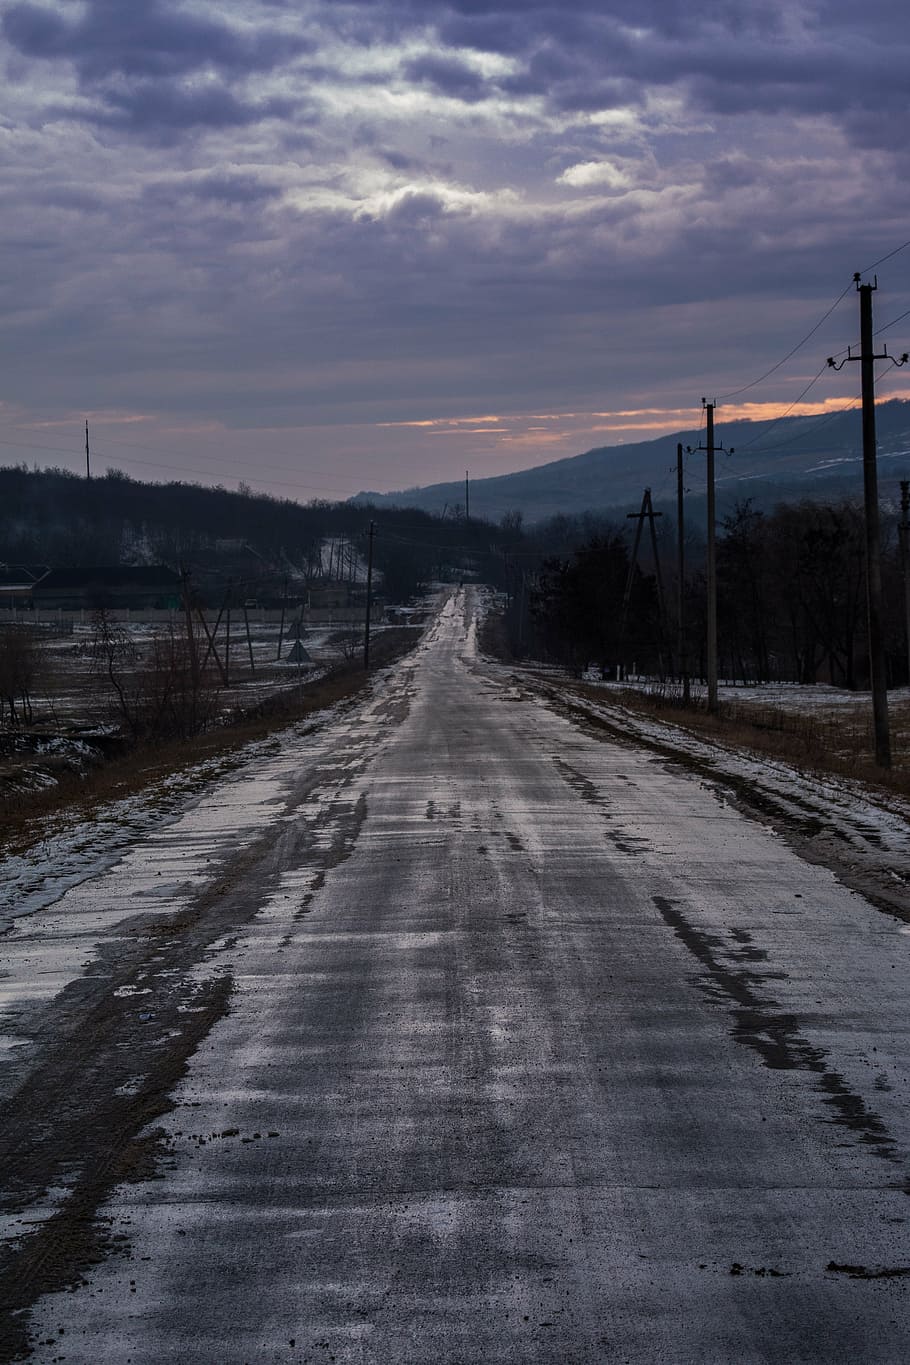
<point>835,741</point>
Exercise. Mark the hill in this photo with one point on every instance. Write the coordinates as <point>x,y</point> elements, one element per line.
<point>779,461</point>
<point>257,543</point>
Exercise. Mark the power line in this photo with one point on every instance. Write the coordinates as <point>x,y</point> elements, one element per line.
<point>903,246</point>
<point>733,392</point>
<point>892,323</point>
<point>849,404</point>
<point>787,411</point>
<point>774,368</point>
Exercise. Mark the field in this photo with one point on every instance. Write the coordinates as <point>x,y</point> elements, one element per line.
<point>88,688</point>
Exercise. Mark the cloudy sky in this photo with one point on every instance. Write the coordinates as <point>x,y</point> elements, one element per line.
<point>326,246</point>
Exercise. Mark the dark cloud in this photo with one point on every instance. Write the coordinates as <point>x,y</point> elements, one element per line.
<point>116,39</point>
<point>234,188</point>
<point>152,69</point>
<point>215,190</point>
<point>497,33</point>
<point>36,31</point>
<point>160,111</point>
<point>401,161</point>
<point>448,76</point>
<point>722,56</point>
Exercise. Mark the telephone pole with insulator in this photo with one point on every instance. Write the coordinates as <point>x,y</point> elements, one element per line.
<point>878,679</point>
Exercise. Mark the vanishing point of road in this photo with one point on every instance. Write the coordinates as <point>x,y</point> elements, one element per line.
<point>454,1031</point>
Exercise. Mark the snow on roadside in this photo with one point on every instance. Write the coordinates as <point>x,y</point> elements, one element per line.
<point>880,822</point>
<point>36,879</point>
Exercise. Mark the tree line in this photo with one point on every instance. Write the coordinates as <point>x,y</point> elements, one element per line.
<point>60,519</point>
<point>791,600</point>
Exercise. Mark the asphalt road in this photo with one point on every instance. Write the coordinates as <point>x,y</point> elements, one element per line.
<point>459,1033</point>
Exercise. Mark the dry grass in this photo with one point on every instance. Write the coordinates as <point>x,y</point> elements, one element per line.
<point>130,769</point>
<point>833,740</point>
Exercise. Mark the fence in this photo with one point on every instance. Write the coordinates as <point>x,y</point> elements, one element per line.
<point>65,620</point>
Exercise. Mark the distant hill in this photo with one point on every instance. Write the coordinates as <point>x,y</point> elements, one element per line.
<point>779,461</point>
<point>259,545</point>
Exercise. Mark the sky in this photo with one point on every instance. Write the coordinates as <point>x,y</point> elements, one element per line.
<point>370,244</point>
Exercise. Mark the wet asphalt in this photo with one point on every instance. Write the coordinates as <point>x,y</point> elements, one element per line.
<point>534,1050</point>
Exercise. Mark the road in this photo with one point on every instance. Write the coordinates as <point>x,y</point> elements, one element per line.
<point>455,1031</point>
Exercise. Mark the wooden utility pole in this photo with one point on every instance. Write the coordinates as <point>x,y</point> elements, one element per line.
<point>211,635</point>
<point>903,530</point>
<point>878,678</point>
<point>711,557</point>
<point>681,577</point>
<point>227,635</point>
<point>88,465</point>
<point>467,497</point>
<point>366,633</point>
<point>711,562</point>
<point>284,603</point>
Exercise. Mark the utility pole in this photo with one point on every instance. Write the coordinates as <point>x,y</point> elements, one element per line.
<point>249,638</point>
<point>647,511</point>
<point>711,563</point>
<point>88,466</point>
<point>284,603</point>
<point>681,577</point>
<point>903,530</point>
<point>227,635</point>
<point>190,637</point>
<point>874,599</point>
<point>711,558</point>
<point>366,634</point>
<point>467,498</point>
<point>211,636</point>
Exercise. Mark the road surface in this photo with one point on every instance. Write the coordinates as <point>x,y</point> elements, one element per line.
<point>455,1032</point>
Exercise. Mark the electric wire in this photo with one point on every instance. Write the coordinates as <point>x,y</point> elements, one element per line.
<point>849,404</point>
<point>893,322</point>
<point>733,393</point>
<point>903,247</point>
<point>747,444</point>
<point>798,347</point>
<point>333,488</point>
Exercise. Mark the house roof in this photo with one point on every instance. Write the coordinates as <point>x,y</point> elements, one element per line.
<point>20,577</point>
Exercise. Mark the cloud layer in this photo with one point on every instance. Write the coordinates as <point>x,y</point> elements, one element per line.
<point>306,218</point>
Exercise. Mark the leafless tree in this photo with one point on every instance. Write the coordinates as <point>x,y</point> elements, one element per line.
<point>20,663</point>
